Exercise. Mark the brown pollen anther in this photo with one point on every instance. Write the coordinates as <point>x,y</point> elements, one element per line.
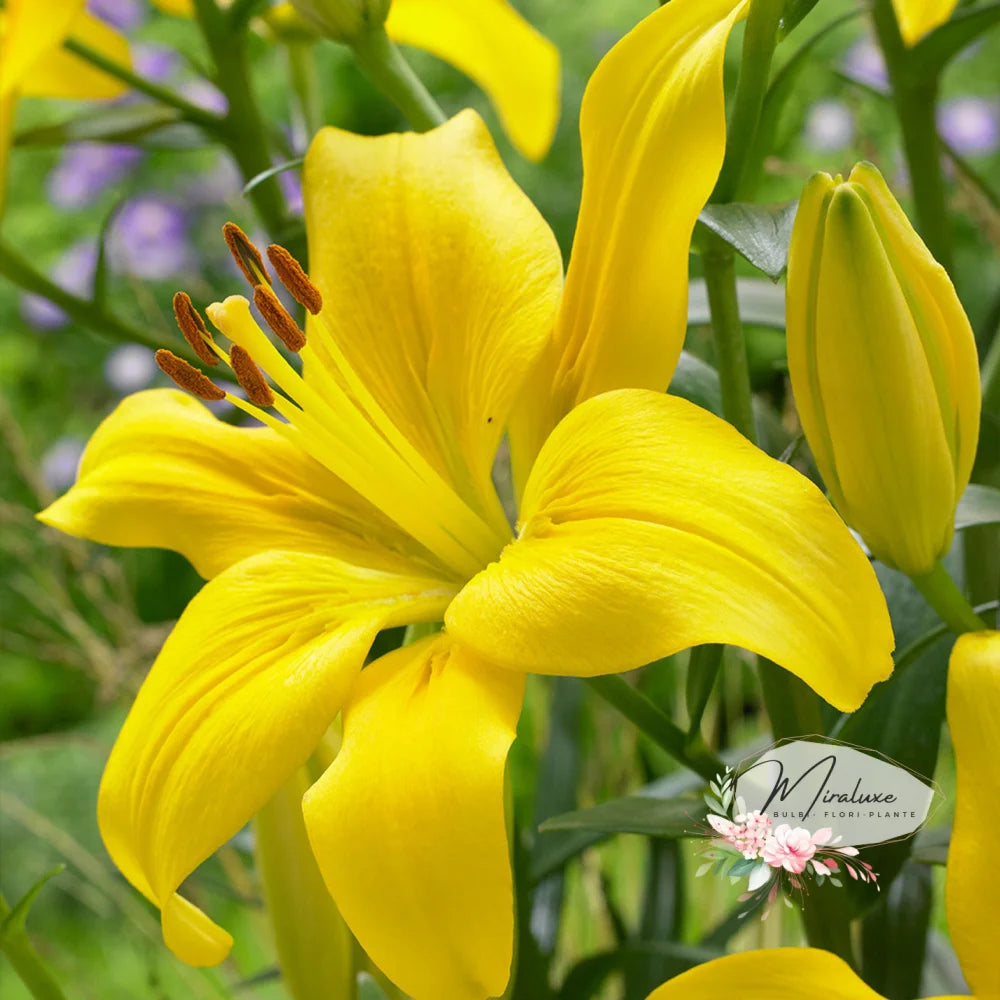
<point>291,275</point>
<point>193,327</point>
<point>246,255</point>
<point>285,328</point>
<point>249,376</point>
<point>188,377</point>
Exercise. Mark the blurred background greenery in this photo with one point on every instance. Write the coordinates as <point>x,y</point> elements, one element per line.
<point>81,624</point>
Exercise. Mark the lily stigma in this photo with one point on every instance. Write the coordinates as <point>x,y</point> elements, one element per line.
<point>438,321</point>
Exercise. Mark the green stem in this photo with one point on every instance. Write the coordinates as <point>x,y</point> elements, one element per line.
<point>194,114</point>
<point>658,726</point>
<point>727,333</point>
<point>759,43</point>
<point>943,595</point>
<point>242,129</point>
<point>914,94</point>
<point>17,946</point>
<point>305,83</point>
<point>385,66</point>
<point>83,311</point>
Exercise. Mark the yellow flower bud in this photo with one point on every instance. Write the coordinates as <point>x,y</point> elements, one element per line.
<point>883,367</point>
<point>343,20</point>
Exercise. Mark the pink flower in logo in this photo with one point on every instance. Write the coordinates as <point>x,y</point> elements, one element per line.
<point>790,848</point>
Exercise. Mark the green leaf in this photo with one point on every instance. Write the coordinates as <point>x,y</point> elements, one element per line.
<point>702,670</point>
<point>794,12</point>
<point>759,233</point>
<point>894,935</point>
<point>272,172</point>
<point>932,53</point>
<point>125,123</point>
<point>979,505</point>
<point>931,846</point>
<point>634,814</point>
<point>368,988</point>
<point>14,921</point>
<point>762,303</point>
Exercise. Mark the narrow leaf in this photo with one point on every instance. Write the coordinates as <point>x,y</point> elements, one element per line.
<point>125,123</point>
<point>934,52</point>
<point>634,814</point>
<point>14,921</point>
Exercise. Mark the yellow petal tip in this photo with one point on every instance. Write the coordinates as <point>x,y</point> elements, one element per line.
<point>191,935</point>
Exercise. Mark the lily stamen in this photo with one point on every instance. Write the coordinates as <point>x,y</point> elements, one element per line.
<point>294,278</point>
<point>250,377</point>
<point>193,327</point>
<point>278,319</point>
<point>188,377</point>
<point>246,255</point>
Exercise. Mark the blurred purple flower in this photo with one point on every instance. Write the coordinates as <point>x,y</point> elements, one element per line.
<point>829,126</point>
<point>74,271</point>
<point>205,95</point>
<point>864,62</point>
<point>154,62</point>
<point>291,188</point>
<point>129,368</point>
<point>122,14</point>
<point>970,125</point>
<point>86,169</point>
<point>149,239</point>
<point>60,463</point>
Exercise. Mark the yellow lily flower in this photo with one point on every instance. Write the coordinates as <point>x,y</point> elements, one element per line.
<point>919,17</point>
<point>883,366</point>
<point>33,62</point>
<point>973,881</point>
<point>646,524</point>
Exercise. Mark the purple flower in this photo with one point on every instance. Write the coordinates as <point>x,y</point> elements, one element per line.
<point>88,168</point>
<point>61,462</point>
<point>206,96</point>
<point>149,239</point>
<point>154,62</point>
<point>829,126</point>
<point>291,187</point>
<point>970,125</point>
<point>74,271</point>
<point>122,14</point>
<point>864,62</point>
<point>129,368</point>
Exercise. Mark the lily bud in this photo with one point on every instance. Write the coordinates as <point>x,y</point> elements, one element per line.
<point>883,367</point>
<point>343,20</point>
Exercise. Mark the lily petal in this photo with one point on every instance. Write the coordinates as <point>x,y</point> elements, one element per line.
<point>650,525</point>
<point>489,41</point>
<point>62,73</point>
<point>653,127</point>
<point>441,281</point>
<point>247,683</point>
<point>973,884</point>
<point>30,31</point>
<point>162,471</point>
<point>789,973</point>
<point>408,822</point>
<point>919,17</point>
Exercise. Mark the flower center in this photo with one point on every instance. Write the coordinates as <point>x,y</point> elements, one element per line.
<point>331,415</point>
